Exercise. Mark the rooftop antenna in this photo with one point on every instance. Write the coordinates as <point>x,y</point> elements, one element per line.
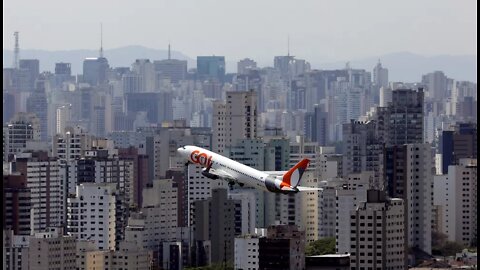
<point>288,45</point>
<point>16,51</point>
<point>101,40</point>
<point>169,50</point>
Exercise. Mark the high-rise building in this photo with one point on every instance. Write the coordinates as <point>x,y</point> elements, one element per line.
<point>140,171</point>
<point>287,240</point>
<point>236,119</point>
<point>282,64</point>
<point>214,222</point>
<point>52,249</point>
<point>246,252</point>
<point>95,70</point>
<point>349,194</point>
<point>179,179</point>
<point>385,96</point>
<point>46,181</point>
<point>173,69</point>
<point>63,69</point>
<point>362,150</point>
<point>436,84</point>
<point>22,128</point>
<point>132,82</point>
<point>296,209</point>
<point>380,75</point>
<point>145,69</point>
<point>378,236</point>
<point>316,125</point>
<point>326,210</point>
<point>211,67</point>
<point>63,117</point>
<point>245,210</point>
<point>63,73</point>
<point>160,211</point>
<point>15,250</point>
<point>91,214</point>
<point>8,106</point>
<point>455,194</point>
<point>158,106</point>
<point>31,70</point>
<point>17,204</point>
<point>251,81</point>
<point>128,256</point>
<point>37,104</point>
<point>250,152</point>
<point>72,144</point>
<point>405,117</point>
<point>409,176</point>
<point>458,143</point>
<point>245,64</point>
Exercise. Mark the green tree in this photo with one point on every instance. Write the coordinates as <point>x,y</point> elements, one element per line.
<point>451,248</point>
<point>321,247</point>
<point>441,245</point>
<point>438,241</point>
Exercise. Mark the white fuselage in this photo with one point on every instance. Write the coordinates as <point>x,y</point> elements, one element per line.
<point>241,173</point>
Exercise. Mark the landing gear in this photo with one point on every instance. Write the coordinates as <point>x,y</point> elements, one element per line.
<point>232,183</point>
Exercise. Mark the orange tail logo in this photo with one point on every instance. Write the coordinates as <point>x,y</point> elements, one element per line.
<point>293,176</point>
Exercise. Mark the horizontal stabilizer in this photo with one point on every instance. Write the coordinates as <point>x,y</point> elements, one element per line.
<point>275,173</point>
<point>300,188</point>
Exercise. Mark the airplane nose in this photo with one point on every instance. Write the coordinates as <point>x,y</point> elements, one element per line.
<point>181,150</point>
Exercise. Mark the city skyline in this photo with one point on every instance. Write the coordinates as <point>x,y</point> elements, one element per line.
<point>194,156</point>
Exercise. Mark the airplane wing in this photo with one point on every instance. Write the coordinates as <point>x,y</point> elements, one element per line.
<point>222,174</point>
<point>300,188</point>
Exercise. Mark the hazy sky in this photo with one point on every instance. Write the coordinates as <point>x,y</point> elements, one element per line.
<point>327,30</point>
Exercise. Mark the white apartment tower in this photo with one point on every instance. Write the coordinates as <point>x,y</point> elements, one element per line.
<point>456,194</point>
<point>409,174</point>
<point>46,181</point>
<point>71,144</point>
<point>246,252</point>
<point>352,191</point>
<point>91,214</point>
<point>378,233</point>
<point>63,116</point>
<point>160,211</point>
<point>146,70</point>
<point>235,119</point>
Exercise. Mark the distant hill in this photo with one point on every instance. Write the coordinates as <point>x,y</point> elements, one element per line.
<point>409,67</point>
<point>402,66</point>
<point>119,57</point>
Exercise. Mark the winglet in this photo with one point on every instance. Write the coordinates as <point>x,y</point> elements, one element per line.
<point>293,176</point>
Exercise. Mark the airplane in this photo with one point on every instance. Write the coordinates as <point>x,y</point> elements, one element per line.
<point>217,166</point>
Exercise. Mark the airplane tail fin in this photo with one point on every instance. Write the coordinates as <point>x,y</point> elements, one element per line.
<point>293,176</point>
